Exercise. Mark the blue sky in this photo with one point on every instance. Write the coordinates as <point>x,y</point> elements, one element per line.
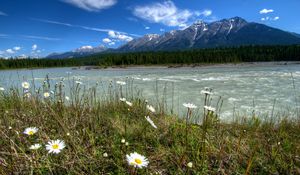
<point>40,27</point>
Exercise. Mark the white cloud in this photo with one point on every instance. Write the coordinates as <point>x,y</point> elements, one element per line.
<point>166,13</point>
<point>34,47</point>
<point>92,5</point>
<point>162,30</point>
<point>205,13</point>
<point>41,38</point>
<point>119,36</point>
<point>265,11</point>
<point>111,43</point>
<point>270,18</point>
<point>1,52</point>
<point>10,51</point>
<point>17,48</point>
<point>147,28</point>
<point>78,26</point>
<point>107,40</point>
<point>3,14</point>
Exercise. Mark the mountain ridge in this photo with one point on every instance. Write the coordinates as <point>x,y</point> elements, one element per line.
<point>229,32</point>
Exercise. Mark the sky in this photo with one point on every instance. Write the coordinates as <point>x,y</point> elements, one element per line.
<point>37,28</point>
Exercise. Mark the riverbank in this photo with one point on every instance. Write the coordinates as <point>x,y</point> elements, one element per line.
<point>98,134</point>
<point>244,64</point>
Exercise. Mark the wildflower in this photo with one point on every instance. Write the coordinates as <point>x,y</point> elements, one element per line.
<point>278,143</point>
<point>190,165</point>
<point>9,127</point>
<point>46,94</point>
<point>105,155</point>
<point>150,108</point>
<point>126,143</point>
<point>206,92</point>
<point>189,105</point>
<point>123,99</point>
<point>121,83</point>
<point>31,130</point>
<point>55,146</point>
<point>150,121</point>
<point>68,134</point>
<point>25,85</point>
<point>123,141</point>
<point>2,89</point>
<point>27,95</point>
<point>67,98</point>
<point>209,108</point>
<point>128,103</point>
<point>35,146</point>
<point>137,160</point>
<point>78,82</point>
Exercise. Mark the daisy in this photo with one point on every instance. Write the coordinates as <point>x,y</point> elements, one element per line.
<point>150,121</point>
<point>123,141</point>
<point>105,155</point>
<point>35,146</point>
<point>31,130</point>
<point>121,83</point>
<point>78,82</point>
<point>46,94</point>
<point>25,85</point>
<point>55,146</point>
<point>206,92</point>
<point>2,89</point>
<point>123,99</point>
<point>27,95</point>
<point>137,160</point>
<point>128,103</point>
<point>189,105</point>
<point>190,165</point>
<point>209,108</point>
<point>67,98</point>
<point>150,108</point>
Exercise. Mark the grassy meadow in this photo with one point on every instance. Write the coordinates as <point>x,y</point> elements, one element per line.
<point>98,135</point>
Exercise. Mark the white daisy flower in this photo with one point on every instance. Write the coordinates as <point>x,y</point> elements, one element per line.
<point>190,165</point>
<point>150,121</point>
<point>137,160</point>
<point>105,155</point>
<point>126,143</point>
<point>25,85</point>
<point>78,82</point>
<point>67,98</point>
<point>150,108</point>
<point>123,99</point>
<point>209,108</point>
<point>46,94</point>
<point>55,146</point>
<point>206,92</point>
<point>189,105</point>
<point>31,130</point>
<point>128,103</point>
<point>2,89</point>
<point>121,83</point>
<point>35,146</point>
<point>123,141</point>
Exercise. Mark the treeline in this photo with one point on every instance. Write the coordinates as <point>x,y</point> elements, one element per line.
<point>211,55</point>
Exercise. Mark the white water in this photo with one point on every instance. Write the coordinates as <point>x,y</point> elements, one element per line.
<point>244,89</point>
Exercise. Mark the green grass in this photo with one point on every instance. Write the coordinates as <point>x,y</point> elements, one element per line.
<point>92,127</point>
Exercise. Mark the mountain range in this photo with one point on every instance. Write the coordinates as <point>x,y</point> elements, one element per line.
<point>224,33</point>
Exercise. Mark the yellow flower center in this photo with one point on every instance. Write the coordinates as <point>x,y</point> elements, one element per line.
<point>55,146</point>
<point>138,161</point>
<point>30,133</point>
